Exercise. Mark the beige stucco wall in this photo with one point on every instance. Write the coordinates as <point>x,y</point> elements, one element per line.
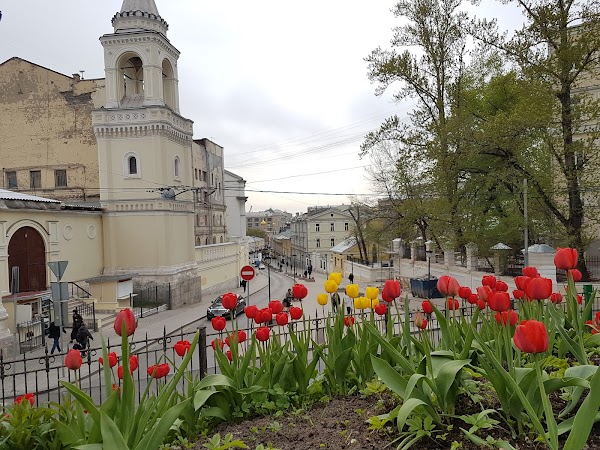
<point>219,266</point>
<point>68,236</point>
<point>46,121</point>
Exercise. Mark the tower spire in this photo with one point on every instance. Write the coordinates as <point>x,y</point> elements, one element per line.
<point>136,15</point>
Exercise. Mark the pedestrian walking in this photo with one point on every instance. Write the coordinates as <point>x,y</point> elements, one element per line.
<point>348,303</point>
<point>54,333</point>
<point>351,277</point>
<point>335,301</point>
<point>82,338</point>
<point>77,322</point>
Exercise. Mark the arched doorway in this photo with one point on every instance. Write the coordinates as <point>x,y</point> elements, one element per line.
<point>26,251</point>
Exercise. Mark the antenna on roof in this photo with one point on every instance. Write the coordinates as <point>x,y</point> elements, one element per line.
<point>82,72</point>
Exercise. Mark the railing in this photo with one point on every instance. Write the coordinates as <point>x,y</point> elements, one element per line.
<point>77,291</point>
<point>31,335</point>
<point>148,300</point>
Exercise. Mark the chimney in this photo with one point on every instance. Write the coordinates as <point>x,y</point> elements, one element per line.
<point>76,77</point>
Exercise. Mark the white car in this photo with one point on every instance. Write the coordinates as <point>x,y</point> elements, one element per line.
<point>262,267</point>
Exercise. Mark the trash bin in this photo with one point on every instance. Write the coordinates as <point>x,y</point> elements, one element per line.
<point>424,287</point>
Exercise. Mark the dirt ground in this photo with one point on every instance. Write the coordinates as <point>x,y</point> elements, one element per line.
<point>341,424</point>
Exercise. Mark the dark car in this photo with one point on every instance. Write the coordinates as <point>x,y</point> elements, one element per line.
<point>216,308</point>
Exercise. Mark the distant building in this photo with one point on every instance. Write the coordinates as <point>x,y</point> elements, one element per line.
<point>275,220</point>
<point>235,202</point>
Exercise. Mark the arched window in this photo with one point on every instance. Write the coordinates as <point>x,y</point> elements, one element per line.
<point>214,239</point>
<point>221,239</point>
<point>176,167</point>
<point>169,84</point>
<point>132,167</point>
<point>132,164</point>
<point>131,77</point>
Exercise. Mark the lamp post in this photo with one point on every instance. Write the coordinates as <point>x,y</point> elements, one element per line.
<point>267,259</point>
<point>294,266</point>
<point>429,254</point>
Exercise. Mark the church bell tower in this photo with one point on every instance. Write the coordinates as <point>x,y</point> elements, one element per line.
<point>144,151</point>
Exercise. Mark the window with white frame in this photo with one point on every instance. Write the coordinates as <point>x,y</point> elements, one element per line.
<point>317,227</point>
<point>318,243</point>
<point>332,227</point>
<point>176,168</point>
<point>346,226</point>
<point>332,242</point>
<point>132,166</point>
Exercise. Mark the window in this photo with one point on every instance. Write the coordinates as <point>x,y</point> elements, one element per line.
<point>332,227</point>
<point>346,227</point>
<point>318,243</point>
<point>11,180</point>
<point>35,179</point>
<point>317,227</point>
<point>176,167</point>
<point>196,173</point>
<point>60,178</point>
<point>332,242</point>
<point>132,164</point>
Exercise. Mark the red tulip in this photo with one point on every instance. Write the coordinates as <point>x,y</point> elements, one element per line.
<point>473,299</point>
<point>381,309</point>
<point>556,297</point>
<point>218,323</point>
<point>385,297</point>
<point>241,336</point>
<point>518,294</point>
<point>530,272</point>
<point>229,355</point>
<point>218,342</point>
<point>489,280</point>
<point>295,313</point>
<point>521,282</point>
<point>509,317</point>
<point>565,258</point>
<point>579,299</point>
<point>133,363</point>
<point>299,291</point>
<point>538,288</point>
<point>262,334</point>
<point>27,397</point>
<point>349,321</point>
<point>160,371</point>
<point>251,311</point>
<point>452,303</point>
<point>447,286</point>
<point>420,321</point>
<point>266,315</point>
<point>531,336</point>
<point>181,347</point>
<point>483,292</point>
<point>120,372</point>
<point>576,275</point>
<point>126,317</point>
<point>464,292</point>
<point>281,319</point>
<point>112,359</point>
<point>229,300</point>
<point>73,360</point>
<point>276,306</point>
<point>501,286</point>
<point>392,289</point>
<point>427,307</point>
<point>481,304</point>
<point>499,301</point>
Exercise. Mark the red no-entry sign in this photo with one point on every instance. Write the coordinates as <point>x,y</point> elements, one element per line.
<point>247,273</point>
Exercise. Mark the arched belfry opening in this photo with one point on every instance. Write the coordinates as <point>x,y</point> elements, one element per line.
<point>130,76</point>
<point>168,77</point>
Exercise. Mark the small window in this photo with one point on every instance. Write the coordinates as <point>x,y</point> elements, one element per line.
<point>332,227</point>
<point>346,226</point>
<point>60,178</point>
<point>317,227</point>
<point>132,164</point>
<point>11,179</point>
<point>35,179</point>
<point>196,173</point>
<point>318,243</point>
<point>332,242</point>
<point>214,239</point>
<point>176,168</point>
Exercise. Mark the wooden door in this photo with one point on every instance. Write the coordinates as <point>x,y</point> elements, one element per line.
<point>26,250</point>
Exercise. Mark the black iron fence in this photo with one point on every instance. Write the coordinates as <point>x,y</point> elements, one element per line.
<point>151,299</point>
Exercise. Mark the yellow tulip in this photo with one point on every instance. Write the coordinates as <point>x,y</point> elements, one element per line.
<point>330,286</point>
<point>336,276</point>
<point>322,299</point>
<point>358,303</point>
<point>374,302</point>
<point>372,292</point>
<point>352,290</point>
<point>365,302</point>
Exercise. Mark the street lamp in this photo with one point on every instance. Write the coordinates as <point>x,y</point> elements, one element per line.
<point>429,254</point>
<point>268,261</point>
<point>294,266</point>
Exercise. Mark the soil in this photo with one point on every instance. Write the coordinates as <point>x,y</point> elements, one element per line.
<point>341,424</point>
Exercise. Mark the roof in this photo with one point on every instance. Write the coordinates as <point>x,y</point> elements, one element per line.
<point>344,246</point>
<point>287,234</point>
<point>147,6</point>
<point>11,195</point>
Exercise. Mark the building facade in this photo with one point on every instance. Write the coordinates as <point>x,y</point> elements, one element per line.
<point>235,203</point>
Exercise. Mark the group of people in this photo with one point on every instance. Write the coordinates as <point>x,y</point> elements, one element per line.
<point>79,333</point>
<point>337,302</point>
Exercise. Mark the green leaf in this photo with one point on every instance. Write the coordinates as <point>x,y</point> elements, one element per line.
<point>446,377</point>
<point>111,435</point>
<point>156,435</point>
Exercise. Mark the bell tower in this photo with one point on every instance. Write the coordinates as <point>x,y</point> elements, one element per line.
<point>144,151</point>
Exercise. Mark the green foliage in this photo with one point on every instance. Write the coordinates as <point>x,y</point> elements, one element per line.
<point>24,427</point>
<point>215,443</point>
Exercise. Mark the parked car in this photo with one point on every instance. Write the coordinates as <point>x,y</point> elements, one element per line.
<point>216,308</point>
<point>262,267</point>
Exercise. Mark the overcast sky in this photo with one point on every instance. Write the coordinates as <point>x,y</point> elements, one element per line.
<point>281,85</point>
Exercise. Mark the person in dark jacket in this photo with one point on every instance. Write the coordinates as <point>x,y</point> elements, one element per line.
<point>77,322</point>
<point>54,333</point>
<point>82,338</point>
